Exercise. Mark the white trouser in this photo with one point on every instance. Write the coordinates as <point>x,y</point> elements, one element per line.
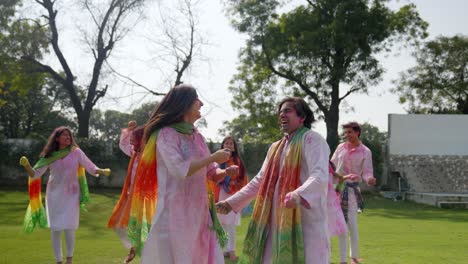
<point>352,229</point>
<point>57,243</point>
<point>231,244</point>
<point>122,233</point>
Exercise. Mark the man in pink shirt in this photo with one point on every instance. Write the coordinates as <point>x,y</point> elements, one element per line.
<point>352,157</point>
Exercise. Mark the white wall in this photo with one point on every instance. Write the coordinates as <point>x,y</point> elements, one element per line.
<point>428,134</point>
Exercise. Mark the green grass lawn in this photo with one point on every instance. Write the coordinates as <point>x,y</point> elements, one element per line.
<point>390,232</point>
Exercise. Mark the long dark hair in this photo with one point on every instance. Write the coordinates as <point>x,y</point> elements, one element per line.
<point>52,144</point>
<point>236,157</point>
<point>171,109</point>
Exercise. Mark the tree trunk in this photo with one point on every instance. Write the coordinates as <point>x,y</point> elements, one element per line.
<point>331,120</point>
<point>83,123</point>
<point>332,116</point>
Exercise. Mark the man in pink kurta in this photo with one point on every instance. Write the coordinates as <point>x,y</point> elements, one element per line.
<point>311,194</point>
<point>353,157</point>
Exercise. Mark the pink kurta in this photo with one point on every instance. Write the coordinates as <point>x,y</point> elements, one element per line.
<point>356,160</point>
<point>313,189</point>
<point>63,190</point>
<point>336,221</point>
<point>181,227</point>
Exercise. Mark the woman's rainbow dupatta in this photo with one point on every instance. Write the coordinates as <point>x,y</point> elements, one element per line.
<point>288,243</point>
<point>144,196</point>
<point>35,213</point>
<point>121,213</point>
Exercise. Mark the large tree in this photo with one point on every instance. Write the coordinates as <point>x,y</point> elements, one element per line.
<point>28,99</point>
<point>439,81</point>
<point>323,49</point>
<point>109,22</point>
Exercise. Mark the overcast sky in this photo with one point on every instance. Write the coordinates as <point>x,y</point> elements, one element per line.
<point>212,75</point>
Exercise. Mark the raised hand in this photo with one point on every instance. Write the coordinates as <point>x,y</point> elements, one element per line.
<point>372,181</point>
<point>232,171</point>
<point>223,207</point>
<point>24,161</point>
<point>221,155</point>
<point>105,172</point>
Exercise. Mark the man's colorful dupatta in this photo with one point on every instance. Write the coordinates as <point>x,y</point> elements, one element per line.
<point>288,243</point>
<point>144,198</point>
<point>35,213</point>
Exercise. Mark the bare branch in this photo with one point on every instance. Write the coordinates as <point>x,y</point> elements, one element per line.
<point>133,81</point>
<point>292,78</point>
<point>349,92</point>
<point>52,14</point>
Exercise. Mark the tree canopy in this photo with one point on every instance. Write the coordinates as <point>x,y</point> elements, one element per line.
<point>322,50</point>
<point>439,81</point>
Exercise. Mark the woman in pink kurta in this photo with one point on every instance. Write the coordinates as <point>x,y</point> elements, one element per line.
<point>130,142</point>
<point>63,188</point>
<point>181,232</point>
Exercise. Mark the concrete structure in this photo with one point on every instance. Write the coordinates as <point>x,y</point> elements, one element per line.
<point>427,158</point>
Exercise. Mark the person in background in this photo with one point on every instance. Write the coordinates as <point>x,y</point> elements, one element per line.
<point>67,189</point>
<point>227,187</point>
<point>130,144</point>
<point>354,159</point>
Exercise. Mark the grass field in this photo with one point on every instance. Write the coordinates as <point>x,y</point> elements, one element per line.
<point>390,232</point>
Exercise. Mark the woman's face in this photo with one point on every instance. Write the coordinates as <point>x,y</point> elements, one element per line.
<point>229,143</point>
<point>64,140</point>
<point>193,114</point>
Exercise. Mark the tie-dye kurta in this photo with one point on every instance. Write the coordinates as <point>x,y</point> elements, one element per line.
<point>181,232</point>
<point>63,190</point>
<point>313,189</point>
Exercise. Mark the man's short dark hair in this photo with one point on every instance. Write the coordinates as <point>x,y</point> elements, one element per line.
<point>354,126</point>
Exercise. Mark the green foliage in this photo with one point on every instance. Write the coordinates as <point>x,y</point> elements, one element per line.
<point>12,152</point>
<point>253,155</point>
<point>28,108</point>
<point>438,83</point>
<point>142,114</point>
<point>314,48</point>
<point>27,98</point>
<point>375,141</point>
<point>107,125</point>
